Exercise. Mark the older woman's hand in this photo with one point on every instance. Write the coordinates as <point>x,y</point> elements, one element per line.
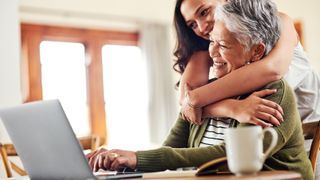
<point>188,111</point>
<point>112,160</point>
<point>91,157</point>
<point>256,110</point>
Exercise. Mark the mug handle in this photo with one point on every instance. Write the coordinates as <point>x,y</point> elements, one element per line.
<point>273,141</point>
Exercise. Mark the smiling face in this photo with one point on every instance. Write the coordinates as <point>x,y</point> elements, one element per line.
<point>227,52</point>
<point>198,15</point>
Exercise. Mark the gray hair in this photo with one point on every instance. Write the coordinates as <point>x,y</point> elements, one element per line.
<point>251,21</point>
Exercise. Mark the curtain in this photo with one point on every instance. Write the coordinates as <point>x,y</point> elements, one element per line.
<point>163,101</point>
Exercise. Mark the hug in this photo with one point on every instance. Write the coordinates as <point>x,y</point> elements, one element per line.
<point>244,33</point>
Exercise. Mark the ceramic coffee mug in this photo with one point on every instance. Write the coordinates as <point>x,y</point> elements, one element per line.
<point>244,146</point>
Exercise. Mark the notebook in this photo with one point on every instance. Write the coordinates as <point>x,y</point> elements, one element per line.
<point>46,143</point>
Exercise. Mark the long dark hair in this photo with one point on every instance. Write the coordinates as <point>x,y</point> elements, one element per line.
<point>187,41</point>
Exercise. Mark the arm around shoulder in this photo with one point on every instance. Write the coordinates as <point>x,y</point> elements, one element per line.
<point>241,81</point>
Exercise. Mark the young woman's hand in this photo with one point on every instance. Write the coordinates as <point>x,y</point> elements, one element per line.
<point>256,110</point>
<point>189,112</point>
<point>112,160</point>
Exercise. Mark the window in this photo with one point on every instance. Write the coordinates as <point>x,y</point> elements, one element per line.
<point>63,76</point>
<point>76,76</point>
<point>125,92</point>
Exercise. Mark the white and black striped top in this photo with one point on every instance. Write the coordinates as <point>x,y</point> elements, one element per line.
<point>215,130</point>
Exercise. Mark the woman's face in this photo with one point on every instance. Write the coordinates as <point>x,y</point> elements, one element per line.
<point>198,15</point>
<point>226,51</point>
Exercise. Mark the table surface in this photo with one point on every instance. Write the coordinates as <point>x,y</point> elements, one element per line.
<point>262,175</point>
<point>265,175</point>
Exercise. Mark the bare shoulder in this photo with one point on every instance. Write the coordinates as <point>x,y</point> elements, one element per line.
<point>285,18</point>
<point>287,26</point>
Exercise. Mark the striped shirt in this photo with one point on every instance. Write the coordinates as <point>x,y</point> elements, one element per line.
<point>215,130</point>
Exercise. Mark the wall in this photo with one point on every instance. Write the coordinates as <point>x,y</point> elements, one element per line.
<point>123,14</point>
<point>9,57</point>
<point>308,12</point>
<point>9,60</point>
<point>9,53</point>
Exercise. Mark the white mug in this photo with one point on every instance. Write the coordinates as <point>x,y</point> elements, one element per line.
<point>244,146</point>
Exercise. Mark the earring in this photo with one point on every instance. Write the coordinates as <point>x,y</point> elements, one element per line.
<point>248,62</point>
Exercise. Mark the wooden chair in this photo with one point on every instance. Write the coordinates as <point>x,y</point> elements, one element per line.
<point>311,130</point>
<point>7,150</point>
<point>88,143</point>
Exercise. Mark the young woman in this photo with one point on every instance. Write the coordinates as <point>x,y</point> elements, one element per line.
<point>193,22</point>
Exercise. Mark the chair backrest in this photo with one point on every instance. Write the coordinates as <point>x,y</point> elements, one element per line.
<point>7,150</point>
<point>311,130</point>
<point>88,143</point>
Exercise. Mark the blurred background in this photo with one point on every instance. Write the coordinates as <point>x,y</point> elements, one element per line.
<point>109,62</point>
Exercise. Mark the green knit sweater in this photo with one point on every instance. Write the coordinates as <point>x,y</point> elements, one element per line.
<point>181,148</point>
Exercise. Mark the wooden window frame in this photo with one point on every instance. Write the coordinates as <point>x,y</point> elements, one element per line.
<point>298,26</point>
<point>32,35</point>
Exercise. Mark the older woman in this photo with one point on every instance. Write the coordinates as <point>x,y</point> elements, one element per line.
<point>245,31</point>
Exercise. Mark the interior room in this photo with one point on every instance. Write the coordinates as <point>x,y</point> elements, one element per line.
<point>109,62</point>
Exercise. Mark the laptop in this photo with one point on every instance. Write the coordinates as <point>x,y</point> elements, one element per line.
<point>46,143</point>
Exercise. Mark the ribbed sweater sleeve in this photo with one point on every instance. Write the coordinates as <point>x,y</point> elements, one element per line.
<point>172,158</point>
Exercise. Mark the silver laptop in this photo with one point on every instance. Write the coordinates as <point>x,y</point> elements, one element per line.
<point>46,143</point>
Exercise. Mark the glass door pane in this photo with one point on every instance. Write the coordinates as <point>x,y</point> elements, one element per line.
<point>126,97</point>
<point>63,75</point>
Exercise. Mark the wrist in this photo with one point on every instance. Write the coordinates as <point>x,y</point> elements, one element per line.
<point>134,159</point>
<point>192,99</point>
<point>232,108</point>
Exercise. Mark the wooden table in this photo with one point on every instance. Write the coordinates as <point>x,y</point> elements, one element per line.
<point>262,175</point>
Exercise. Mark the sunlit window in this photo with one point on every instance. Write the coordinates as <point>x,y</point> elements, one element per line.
<point>64,77</point>
<point>126,97</point>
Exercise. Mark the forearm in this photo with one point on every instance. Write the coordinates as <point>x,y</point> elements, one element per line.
<point>196,73</point>
<point>222,108</point>
<point>238,82</point>
<point>173,158</point>
<point>254,76</point>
